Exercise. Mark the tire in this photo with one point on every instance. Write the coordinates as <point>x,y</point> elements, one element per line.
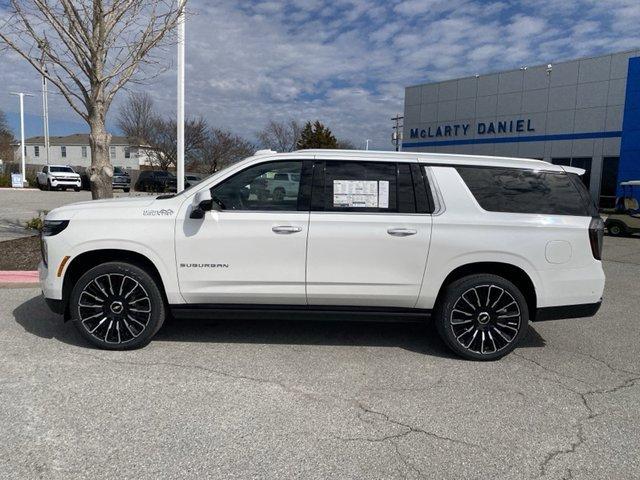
<point>616,229</point>
<point>479,329</point>
<point>40,187</point>
<point>126,190</point>
<point>49,187</point>
<point>76,189</point>
<point>119,323</point>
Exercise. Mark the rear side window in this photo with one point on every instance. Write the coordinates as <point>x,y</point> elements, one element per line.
<point>524,191</point>
<point>360,186</point>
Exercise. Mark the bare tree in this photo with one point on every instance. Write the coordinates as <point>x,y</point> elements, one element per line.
<point>344,144</point>
<point>91,49</point>
<point>6,137</point>
<point>136,117</point>
<point>280,136</point>
<point>221,149</point>
<point>164,142</point>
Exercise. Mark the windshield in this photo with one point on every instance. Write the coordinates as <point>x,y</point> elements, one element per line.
<point>61,169</point>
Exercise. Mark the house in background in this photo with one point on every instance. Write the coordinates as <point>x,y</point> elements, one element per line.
<point>74,150</point>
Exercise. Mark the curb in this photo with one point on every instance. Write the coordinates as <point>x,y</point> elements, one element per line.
<point>19,276</point>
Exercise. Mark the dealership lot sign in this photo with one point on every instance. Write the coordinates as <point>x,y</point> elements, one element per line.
<point>481,128</point>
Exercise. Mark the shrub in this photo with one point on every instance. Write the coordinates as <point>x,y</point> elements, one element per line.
<point>36,223</point>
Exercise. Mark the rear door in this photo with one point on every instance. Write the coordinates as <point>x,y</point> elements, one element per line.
<point>369,234</point>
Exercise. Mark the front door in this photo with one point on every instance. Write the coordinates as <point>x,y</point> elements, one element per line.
<point>368,235</point>
<point>253,250</point>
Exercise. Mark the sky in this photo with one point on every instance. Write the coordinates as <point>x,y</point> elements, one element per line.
<point>345,62</point>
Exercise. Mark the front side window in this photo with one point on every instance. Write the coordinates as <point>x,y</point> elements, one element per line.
<point>525,191</point>
<point>264,187</point>
<point>63,151</point>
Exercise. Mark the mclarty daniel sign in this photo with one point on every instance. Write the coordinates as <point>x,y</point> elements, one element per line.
<point>480,128</point>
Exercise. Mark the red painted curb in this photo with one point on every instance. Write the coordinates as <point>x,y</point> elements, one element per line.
<point>18,276</point>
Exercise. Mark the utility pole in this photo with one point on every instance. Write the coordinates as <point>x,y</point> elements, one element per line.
<point>45,109</point>
<point>396,136</point>
<point>180,109</point>
<point>22,147</point>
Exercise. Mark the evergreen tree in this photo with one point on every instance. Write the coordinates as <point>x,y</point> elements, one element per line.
<point>316,135</point>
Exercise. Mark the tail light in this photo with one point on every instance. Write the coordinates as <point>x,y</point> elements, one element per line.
<point>596,237</point>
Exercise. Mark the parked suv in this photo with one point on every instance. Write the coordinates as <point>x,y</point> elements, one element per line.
<point>121,179</point>
<point>58,177</point>
<point>156,181</point>
<point>481,245</point>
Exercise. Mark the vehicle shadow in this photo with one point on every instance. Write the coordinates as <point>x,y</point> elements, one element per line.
<point>34,316</point>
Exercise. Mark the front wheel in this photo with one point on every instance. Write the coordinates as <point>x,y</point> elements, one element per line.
<point>117,306</point>
<point>482,317</point>
<point>76,189</point>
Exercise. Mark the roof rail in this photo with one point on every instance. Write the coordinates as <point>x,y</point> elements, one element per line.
<point>264,152</point>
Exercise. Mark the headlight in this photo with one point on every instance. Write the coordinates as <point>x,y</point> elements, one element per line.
<point>53,227</point>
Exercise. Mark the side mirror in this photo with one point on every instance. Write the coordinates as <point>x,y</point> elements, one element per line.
<point>202,203</point>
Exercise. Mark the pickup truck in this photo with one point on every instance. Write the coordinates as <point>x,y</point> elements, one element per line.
<point>58,177</point>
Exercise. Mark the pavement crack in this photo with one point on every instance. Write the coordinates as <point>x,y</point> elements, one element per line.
<point>411,429</point>
<point>590,412</point>
<point>202,368</point>
<point>573,446</point>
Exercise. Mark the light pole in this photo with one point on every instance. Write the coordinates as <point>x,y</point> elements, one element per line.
<point>180,109</point>
<point>45,116</point>
<point>367,147</point>
<point>45,103</point>
<point>21,95</point>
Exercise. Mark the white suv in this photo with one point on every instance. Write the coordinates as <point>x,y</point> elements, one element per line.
<point>482,245</point>
<point>53,177</point>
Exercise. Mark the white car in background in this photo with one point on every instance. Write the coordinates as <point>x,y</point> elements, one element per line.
<point>56,177</point>
<point>481,245</point>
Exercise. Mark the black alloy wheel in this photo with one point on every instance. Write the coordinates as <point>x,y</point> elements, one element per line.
<point>482,317</point>
<point>117,306</point>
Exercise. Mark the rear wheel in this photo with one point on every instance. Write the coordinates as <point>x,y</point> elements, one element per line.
<point>117,306</point>
<point>482,317</point>
<point>616,229</point>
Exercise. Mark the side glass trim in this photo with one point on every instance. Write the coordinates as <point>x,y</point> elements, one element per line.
<point>438,202</point>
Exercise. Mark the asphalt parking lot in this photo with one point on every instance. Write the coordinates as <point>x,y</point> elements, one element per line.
<point>224,398</point>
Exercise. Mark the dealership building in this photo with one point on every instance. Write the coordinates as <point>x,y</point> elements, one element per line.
<point>584,113</point>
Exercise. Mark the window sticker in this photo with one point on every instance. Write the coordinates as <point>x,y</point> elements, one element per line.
<point>383,194</point>
<point>360,194</point>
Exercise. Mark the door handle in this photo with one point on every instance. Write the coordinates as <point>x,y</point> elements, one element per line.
<point>401,232</point>
<point>286,229</point>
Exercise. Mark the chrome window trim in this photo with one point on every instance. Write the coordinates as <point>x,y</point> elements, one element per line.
<point>436,194</point>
